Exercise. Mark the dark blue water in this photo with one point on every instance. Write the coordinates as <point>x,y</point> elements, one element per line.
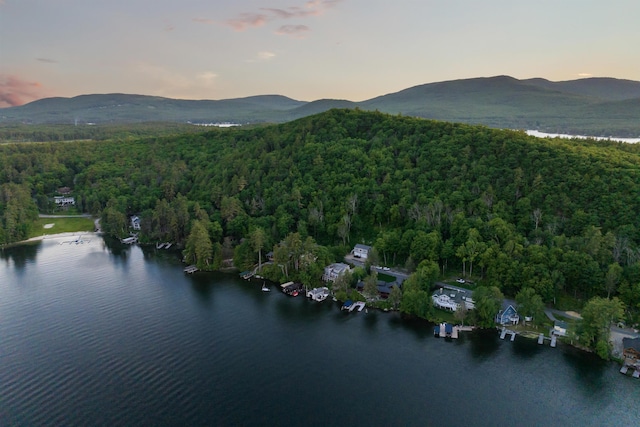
<point>93,334</point>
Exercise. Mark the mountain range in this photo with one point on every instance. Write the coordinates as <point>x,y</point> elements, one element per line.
<point>591,106</point>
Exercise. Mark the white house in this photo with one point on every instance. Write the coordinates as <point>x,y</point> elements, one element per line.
<point>62,201</point>
<point>135,222</point>
<point>361,251</point>
<point>333,271</point>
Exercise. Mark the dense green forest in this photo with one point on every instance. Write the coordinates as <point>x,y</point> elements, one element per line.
<point>98,132</point>
<point>512,211</point>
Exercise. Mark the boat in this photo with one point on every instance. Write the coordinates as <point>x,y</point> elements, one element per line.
<point>265,288</point>
<point>347,304</point>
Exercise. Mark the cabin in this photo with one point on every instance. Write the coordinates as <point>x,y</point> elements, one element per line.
<point>270,256</point>
<point>508,316</point>
<point>361,251</point>
<point>135,222</point>
<point>335,270</point>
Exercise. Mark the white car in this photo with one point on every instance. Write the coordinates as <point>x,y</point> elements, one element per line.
<point>386,268</point>
<point>460,280</point>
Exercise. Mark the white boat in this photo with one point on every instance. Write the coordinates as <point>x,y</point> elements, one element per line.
<point>265,288</point>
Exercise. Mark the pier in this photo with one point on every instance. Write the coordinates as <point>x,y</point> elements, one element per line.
<point>447,330</point>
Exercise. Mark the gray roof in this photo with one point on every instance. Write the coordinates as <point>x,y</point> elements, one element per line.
<point>360,246</point>
<point>631,343</point>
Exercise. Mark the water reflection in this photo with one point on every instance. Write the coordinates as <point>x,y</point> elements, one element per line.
<point>484,343</point>
<point>21,255</point>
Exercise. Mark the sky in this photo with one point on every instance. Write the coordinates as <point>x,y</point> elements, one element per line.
<point>304,49</point>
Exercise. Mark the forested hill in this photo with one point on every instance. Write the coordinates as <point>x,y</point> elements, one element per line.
<point>596,106</point>
<point>554,215</point>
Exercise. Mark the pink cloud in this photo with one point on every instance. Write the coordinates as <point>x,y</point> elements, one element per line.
<point>292,12</point>
<point>246,20</point>
<point>15,91</point>
<point>292,30</point>
<point>311,8</point>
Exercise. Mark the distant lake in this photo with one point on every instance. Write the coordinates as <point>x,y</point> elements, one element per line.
<point>100,334</point>
<point>563,135</point>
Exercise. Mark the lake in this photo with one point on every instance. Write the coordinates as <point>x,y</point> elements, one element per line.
<point>96,333</point>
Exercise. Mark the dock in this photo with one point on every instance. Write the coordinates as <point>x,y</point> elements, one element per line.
<point>553,340</point>
<point>190,269</point>
<point>357,306</point>
<point>506,331</point>
<point>447,330</point>
<point>541,339</point>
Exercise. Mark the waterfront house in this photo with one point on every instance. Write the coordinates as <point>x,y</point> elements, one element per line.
<point>559,328</point>
<point>384,288</point>
<point>135,222</point>
<point>631,351</point>
<point>361,251</point>
<point>452,299</point>
<point>508,316</point>
<point>335,270</point>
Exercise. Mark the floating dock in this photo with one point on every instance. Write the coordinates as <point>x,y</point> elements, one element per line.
<point>506,331</point>
<point>553,340</point>
<point>541,339</point>
<point>357,306</point>
<point>190,269</point>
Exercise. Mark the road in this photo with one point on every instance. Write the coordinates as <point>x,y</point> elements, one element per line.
<point>65,216</point>
<point>399,275</point>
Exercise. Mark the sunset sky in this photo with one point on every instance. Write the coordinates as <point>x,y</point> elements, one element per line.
<point>306,50</point>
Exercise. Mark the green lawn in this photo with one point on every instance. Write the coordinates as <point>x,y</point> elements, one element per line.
<point>386,278</point>
<point>60,225</point>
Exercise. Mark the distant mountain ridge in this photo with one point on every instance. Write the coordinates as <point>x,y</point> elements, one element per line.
<point>592,106</point>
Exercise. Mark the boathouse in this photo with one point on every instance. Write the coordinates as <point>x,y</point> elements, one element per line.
<point>631,350</point>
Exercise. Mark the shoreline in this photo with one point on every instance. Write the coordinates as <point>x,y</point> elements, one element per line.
<point>52,237</point>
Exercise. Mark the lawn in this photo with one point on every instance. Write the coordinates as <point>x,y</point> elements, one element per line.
<point>48,226</point>
<point>386,278</point>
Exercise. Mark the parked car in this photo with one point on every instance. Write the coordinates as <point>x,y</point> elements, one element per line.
<point>460,280</point>
<point>386,268</point>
